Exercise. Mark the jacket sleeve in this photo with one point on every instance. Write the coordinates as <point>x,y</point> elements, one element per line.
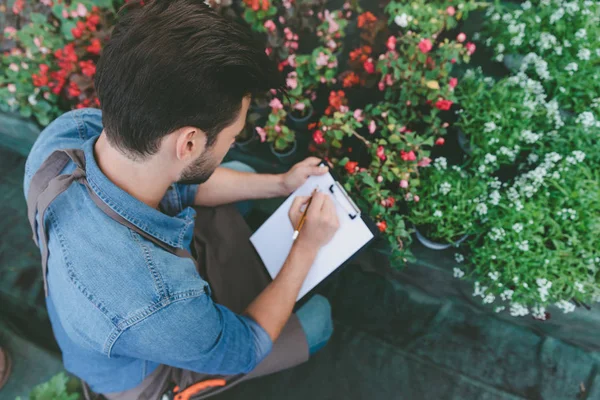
<point>196,334</point>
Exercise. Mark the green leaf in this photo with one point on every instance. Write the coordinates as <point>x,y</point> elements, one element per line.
<point>25,111</point>
<point>343,161</point>
<point>394,139</point>
<point>368,180</point>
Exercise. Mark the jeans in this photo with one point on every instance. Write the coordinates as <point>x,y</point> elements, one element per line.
<point>315,314</point>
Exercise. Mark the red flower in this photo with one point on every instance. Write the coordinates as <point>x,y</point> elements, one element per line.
<point>351,166</point>
<point>410,156</point>
<point>318,137</point>
<point>17,7</point>
<point>369,66</point>
<point>351,80</point>
<point>389,202</point>
<point>92,21</point>
<point>336,100</point>
<point>453,82</point>
<point>39,80</point>
<point>440,141</point>
<point>391,43</point>
<point>381,153</point>
<point>78,30</point>
<point>425,46</point>
<point>382,225</point>
<point>73,89</point>
<point>87,68</point>
<point>470,48</point>
<point>453,61</point>
<point>443,105</point>
<point>94,47</point>
<point>43,69</point>
<point>366,18</point>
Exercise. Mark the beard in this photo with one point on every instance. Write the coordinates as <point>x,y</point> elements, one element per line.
<point>200,170</point>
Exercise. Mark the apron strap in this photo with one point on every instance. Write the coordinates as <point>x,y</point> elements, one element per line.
<point>46,185</point>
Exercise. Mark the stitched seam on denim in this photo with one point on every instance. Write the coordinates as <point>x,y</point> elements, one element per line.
<point>178,198</point>
<point>189,222</point>
<point>147,312</point>
<point>80,125</point>
<point>129,218</point>
<point>71,272</point>
<point>156,276</point>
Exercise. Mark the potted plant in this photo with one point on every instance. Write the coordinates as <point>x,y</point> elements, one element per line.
<point>452,203</point>
<point>282,139</point>
<point>538,247</point>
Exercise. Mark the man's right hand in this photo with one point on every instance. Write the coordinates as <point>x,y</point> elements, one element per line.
<point>321,220</point>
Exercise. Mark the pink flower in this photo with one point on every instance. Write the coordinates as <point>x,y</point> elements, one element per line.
<point>453,61</point>
<point>333,26</point>
<point>269,25</point>
<point>46,2</point>
<point>65,14</point>
<point>358,115</point>
<point>380,179</point>
<point>332,44</point>
<point>261,132</point>
<point>292,83</point>
<point>461,37</point>
<point>391,43</point>
<point>388,80</point>
<point>343,109</point>
<point>425,46</point>
<point>416,198</point>
<point>81,10</point>
<point>443,105</point>
<point>453,82</point>
<point>322,59</point>
<point>292,60</point>
<point>381,85</point>
<point>281,19</point>
<point>74,15</point>
<point>451,11</point>
<point>372,127</point>
<point>471,48</point>
<point>440,141</point>
<point>369,66</point>
<point>381,153</point>
<point>37,42</point>
<point>268,51</point>
<point>11,87</point>
<point>276,104</point>
<point>318,137</point>
<point>13,67</point>
<point>424,162</point>
<point>10,31</point>
<point>410,156</point>
<point>404,183</point>
<point>289,35</point>
<point>299,106</point>
<point>277,128</point>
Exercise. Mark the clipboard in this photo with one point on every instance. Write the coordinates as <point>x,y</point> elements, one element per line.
<point>273,240</point>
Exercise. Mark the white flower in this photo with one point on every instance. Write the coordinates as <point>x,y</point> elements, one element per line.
<point>579,287</point>
<point>481,208</point>
<point>458,273</point>
<point>499,309</point>
<point>571,67</point>
<point>565,306</point>
<point>524,245</point>
<point>518,227</point>
<point>495,198</point>
<point>489,126</point>
<point>494,275</point>
<point>516,279</point>
<point>13,67</point>
<point>558,14</point>
<point>459,257</point>
<point>12,88</point>
<point>581,34</point>
<point>526,5</point>
<point>587,120</point>
<point>490,158</point>
<point>567,213</point>
<point>489,298</point>
<point>539,312</point>
<point>438,214</point>
<point>497,234</point>
<point>507,294</point>
<point>31,99</point>
<point>445,188</point>
<point>518,310</point>
<point>479,290</point>
<point>584,54</point>
<point>532,158</point>
<point>558,50</point>
<point>402,20</point>
<point>530,137</point>
<point>440,163</point>
<point>544,286</point>
<point>547,41</point>
<point>579,155</point>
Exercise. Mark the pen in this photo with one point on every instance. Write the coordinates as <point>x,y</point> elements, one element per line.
<point>303,218</point>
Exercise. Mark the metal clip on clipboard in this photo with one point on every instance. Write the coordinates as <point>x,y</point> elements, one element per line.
<point>341,196</point>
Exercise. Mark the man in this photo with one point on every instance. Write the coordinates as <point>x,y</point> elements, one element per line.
<point>113,215</point>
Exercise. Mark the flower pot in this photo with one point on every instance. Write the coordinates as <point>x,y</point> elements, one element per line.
<point>463,142</point>
<point>248,144</point>
<point>288,156</point>
<point>436,245</point>
<point>299,123</point>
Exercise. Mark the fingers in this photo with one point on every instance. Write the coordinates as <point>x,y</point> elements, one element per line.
<point>297,204</point>
<point>311,161</point>
<point>315,205</point>
<point>329,207</point>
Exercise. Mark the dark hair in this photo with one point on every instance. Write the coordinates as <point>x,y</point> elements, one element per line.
<point>175,63</point>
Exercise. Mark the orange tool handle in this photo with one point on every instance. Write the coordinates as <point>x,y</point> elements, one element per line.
<point>198,387</point>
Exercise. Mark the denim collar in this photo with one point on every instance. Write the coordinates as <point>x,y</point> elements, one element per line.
<point>175,231</point>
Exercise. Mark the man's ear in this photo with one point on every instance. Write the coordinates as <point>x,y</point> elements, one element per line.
<point>190,142</point>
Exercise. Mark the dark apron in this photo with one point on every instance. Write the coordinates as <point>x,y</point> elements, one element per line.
<point>223,257</point>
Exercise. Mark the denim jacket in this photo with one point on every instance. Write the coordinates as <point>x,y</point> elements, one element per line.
<point>119,305</point>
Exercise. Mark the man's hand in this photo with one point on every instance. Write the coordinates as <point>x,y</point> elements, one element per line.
<point>321,220</point>
<point>299,173</point>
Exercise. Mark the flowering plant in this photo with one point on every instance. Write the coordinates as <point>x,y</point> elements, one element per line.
<point>453,203</point>
<point>331,31</point>
<point>561,44</point>
<point>539,247</point>
<point>52,65</point>
<point>257,13</point>
<point>275,130</point>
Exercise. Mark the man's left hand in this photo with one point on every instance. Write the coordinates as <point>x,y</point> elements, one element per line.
<point>300,172</point>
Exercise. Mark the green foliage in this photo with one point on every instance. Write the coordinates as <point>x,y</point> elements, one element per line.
<point>60,387</point>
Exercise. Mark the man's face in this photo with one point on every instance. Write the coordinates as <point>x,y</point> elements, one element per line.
<point>205,164</point>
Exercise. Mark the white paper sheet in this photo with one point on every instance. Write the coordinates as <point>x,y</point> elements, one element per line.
<point>273,240</point>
